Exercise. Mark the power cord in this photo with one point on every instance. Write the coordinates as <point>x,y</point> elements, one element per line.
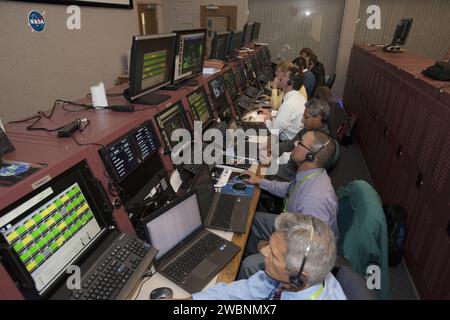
<point>147,276</point>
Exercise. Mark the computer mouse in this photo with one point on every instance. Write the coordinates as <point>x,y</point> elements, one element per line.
<point>260,112</point>
<point>239,186</point>
<point>161,293</point>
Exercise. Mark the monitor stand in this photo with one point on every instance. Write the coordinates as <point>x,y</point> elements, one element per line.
<point>185,83</point>
<point>152,99</point>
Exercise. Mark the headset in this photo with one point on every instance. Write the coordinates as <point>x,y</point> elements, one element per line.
<point>311,155</point>
<point>297,279</point>
<point>290,82</point>
<point>323,115</point>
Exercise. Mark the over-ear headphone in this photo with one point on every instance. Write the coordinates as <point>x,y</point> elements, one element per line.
<point>323,115</point>
<point>290,82</point>
<point>297,280</point>
<point>311,155</point>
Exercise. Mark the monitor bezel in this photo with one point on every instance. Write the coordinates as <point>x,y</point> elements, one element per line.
<point>252,37</point>
<point>179,33</point>
<point>132,91</point>
<point>216,37</point>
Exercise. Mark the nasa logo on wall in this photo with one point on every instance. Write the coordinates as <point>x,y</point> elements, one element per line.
<point>36,20</point>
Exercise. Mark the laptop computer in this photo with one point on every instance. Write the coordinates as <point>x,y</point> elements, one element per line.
<point>219,210</point>
<point>189,255</point>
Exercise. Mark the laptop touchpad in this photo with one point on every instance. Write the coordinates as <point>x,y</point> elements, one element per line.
<point>205,269</point>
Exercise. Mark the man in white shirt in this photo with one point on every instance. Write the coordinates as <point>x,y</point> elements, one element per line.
<point>288,120</point>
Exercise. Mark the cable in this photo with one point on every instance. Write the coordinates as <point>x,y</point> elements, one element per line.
<point>146,277</point>
<point>88,143</point>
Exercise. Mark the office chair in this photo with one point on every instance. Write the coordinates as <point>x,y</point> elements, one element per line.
<point>363,239</point>
<point>334,161</point>
<point>330,81</point>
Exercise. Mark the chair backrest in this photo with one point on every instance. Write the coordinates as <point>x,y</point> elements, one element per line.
<point>353,284</point>
<point>363,233</point>
<point>330,81</point>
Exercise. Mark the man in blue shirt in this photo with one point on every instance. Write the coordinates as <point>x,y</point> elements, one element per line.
<point>309,79</point>
<point>310,193</point>
<point>298,260</point>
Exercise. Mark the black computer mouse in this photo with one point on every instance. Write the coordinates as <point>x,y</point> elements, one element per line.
<point>161,293</point>
<point>260,112</point>
<point>239,186</point>
<point>243,176</point>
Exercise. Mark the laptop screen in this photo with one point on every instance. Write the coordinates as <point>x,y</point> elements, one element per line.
<point>174,224</point>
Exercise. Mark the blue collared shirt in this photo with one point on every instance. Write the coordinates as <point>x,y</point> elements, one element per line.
<point>315,197</point>
<point>260,287</point>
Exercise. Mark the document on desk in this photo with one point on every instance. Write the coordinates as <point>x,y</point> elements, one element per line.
<point>274,113</point>
<point>253,116</point>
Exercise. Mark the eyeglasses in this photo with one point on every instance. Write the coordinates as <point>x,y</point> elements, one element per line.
<point>298,142</point>
<point>307,116</point>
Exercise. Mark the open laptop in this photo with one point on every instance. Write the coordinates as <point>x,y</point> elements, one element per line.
<point>189,255</point>
<point>219,210</point>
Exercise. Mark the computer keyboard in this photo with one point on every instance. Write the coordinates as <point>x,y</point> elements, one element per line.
<point>253,92</point>
<point>193,168</point>
<point>223,211</point>
<point>264,78</point>
<point>247,103</point>
<point>184,264</point>
<point>117,272</point>
<point>221,126</point>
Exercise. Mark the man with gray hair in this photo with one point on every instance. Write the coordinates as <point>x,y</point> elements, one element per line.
<point>298,260</point>
<point>310,192</point>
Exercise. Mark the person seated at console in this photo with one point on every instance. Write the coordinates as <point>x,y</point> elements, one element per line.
<point>287,123</point>
<point>277,95</point>
<point>297,262</point>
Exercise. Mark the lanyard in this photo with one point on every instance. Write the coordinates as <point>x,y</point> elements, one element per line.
<point>297,185</point>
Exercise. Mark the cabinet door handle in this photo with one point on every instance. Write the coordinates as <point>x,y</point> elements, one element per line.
<point>399,151</point>
<point>419,181</point>
<point>448,228</point>
<point>386,131</point>
<point>375,116</point>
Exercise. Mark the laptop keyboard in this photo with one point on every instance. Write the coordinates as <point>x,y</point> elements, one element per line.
<point>191,258</point>
<point>223,211</point>
<point>193,168</point>
<point>246,103</point>
<point>253,92</point>
<point>113,271</point>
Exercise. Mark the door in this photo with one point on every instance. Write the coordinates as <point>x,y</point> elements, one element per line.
<point>217,18</point>
<point>147,19</point>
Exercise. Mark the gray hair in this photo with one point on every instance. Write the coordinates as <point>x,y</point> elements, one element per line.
<point>297,229</point>
<point>319,107</point>
<point>323,145</point>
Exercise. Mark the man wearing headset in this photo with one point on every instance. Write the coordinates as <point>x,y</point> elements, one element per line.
<point>289,116</point>
<point>310,193</point>
<point>298,259</point>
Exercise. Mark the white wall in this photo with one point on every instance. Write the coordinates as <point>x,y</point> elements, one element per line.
<point>38,68</point>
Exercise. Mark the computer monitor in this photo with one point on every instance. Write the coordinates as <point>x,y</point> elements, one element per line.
<point>248,29</point>
<point>200,107</point>
<point>240,75</point>
<point>151,67</point>
<point>230,83</point>
<point>400,35</point>
<point>219,45</point>
<point>235,43</point>
<point>53,227</point>
<point>132,161</point>
<point>169,120</point>
<point>217,89</point>
<point>255,31</point>
<point>189,55</point>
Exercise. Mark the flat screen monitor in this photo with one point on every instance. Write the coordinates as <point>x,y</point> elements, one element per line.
<point>255,31</point>
<point>123,156</point>
<point>169,120</point>
<point>217,89</point>
<point>401,31</point>
<point>151,67</point>
<point>230,83</point>
<point>248,29</point>
<point>235,43</point>
<point>189,54</point>
<point>219,45</point>
<point>240,75</point>
<point>200,107</point>
<point>51,228</point>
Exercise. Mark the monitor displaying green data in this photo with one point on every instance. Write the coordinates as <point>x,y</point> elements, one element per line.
<point>49,232</point>
<point>201,109</point>
<point>154,69</point>
<point>189,54</point>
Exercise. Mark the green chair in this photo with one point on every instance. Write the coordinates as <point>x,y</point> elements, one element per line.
<point>363,237</point>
